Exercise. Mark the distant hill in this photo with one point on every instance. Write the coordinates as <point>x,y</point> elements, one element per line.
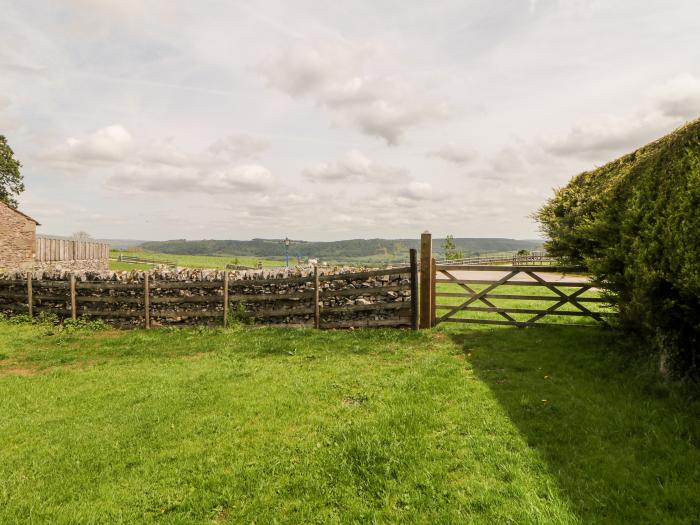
<point>371,249</point>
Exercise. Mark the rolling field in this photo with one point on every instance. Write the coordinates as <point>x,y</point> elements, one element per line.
<point>189,261</point>
<point>478,425</point>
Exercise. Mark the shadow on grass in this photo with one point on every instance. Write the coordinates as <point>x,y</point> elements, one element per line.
<point>623,447</point>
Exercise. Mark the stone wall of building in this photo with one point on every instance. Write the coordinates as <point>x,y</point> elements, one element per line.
<point>17,240</point>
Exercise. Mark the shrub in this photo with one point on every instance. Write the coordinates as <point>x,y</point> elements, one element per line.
<point>635,223</point>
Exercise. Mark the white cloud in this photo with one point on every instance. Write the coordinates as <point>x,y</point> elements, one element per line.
<point>249,178</point>
<point>109,144</point>
<point>239,147</point>
<point>598,137</point>
<point>454,154</point>
<point>680,97</point>
<point>340,78</point>
<point>355,166</point>
<point>417,191</point>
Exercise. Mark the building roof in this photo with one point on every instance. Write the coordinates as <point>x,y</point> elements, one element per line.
<point>20,213</point>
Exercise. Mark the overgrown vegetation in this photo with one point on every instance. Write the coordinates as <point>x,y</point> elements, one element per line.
<point>635,223</point>
<point>544,425</point>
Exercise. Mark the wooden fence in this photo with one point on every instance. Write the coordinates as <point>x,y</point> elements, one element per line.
<point>365,299</point>
<point>54,250</point>
<point>144,260</point>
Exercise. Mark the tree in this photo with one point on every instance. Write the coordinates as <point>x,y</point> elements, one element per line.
<point>82,236</point>
<point>11,184</point>
<point>449,248</point>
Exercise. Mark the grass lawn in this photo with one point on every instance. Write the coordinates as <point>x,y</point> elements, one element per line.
<point>503,425</point>
<point>190,261</point>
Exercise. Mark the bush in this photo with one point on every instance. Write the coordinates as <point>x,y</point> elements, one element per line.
<point>635,223</point>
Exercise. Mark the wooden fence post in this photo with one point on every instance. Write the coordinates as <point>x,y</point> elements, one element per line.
<point>413,255</point>
<point>147,302</point>
<point>30,297</point>
<point>317,299</point>
<point>225,299</point>
<point>426,278</point>
<point>433,292</point>
<point>73,300</point>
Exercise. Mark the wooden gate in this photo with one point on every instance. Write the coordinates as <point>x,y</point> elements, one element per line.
<point>506,295</point>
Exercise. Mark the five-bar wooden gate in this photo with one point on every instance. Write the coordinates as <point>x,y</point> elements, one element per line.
<point>505,295</point>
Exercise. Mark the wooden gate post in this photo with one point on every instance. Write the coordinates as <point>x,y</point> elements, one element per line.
<point>317,299</point>
<point>413,256</point>
<point>73,301</point>
<point>147,301</point>
<point>433,292</point>
<point>426,279</point>
<point>225,298</point>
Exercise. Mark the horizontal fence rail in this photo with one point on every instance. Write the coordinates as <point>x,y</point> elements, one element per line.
<point>381,298</point>
<point>143,260</point>
<point>56,250</point>
<point>468,300</point>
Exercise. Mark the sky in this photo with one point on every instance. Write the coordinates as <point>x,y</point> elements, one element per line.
<point>330,120</point>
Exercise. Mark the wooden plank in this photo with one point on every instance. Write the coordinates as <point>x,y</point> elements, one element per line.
<point>364,275</point>
<point>39,284</point>
<point>282,325</point>
<point>368,323</point>
<point>110,285</point>
<point>521,297</point>
<point>225,299</point>
<point>482,321</point>
<point>513,283</point>
<point>173,314</point>
<point>366,291</point>
<point>426,277</point>
<point>317,299</point>
<point>30,300</point>
<point>256,298</point>
<point>508,323</point>
<point>35,297</point>
<point>63,312</point>
<point>109,299</point>
<point>413,257</point>
<point>178,285</point>
<point>489,309</point>
<point>491,268</point>
<point>282,312</point>
<point>111,313</point>
<point>367,307</point>
<point>179,299</point>
<point>73,301</point>
<point>241,283</point>
<point>147,301</point>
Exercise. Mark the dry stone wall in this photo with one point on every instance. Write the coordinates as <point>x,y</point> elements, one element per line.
<point>186,297</point>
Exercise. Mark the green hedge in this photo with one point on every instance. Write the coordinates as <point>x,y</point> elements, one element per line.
<point>635,223</point>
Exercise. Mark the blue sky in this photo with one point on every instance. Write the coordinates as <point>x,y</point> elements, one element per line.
<point>320,120</point>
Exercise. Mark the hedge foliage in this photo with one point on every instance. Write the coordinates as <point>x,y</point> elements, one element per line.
<point>635,223</point>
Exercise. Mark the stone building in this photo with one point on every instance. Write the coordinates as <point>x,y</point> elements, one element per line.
<point>17,239</point>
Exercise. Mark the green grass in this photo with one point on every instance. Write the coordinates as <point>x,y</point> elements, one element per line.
<point>189,261</point>
<point>543,425</point>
